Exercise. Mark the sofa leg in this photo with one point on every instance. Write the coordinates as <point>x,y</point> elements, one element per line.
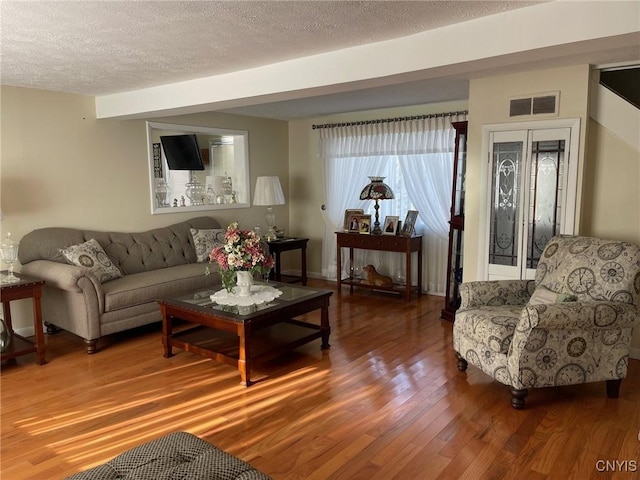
<point>517,398</point>
<point>91,346</point>
<point>462,363</point>
<point>613,388</point>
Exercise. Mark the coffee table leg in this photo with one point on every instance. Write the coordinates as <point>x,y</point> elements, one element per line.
<point>166,331</point>
<point>244,356</point>
<point>325,329</point>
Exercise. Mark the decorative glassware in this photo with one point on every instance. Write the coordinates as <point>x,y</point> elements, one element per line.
<point>9,254</point>
<point>266,273</point>
<point>227,188</point>
<point>162,193</point>
<point>195,192</point>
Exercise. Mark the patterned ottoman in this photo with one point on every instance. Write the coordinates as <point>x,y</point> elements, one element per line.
<point>177,455</point>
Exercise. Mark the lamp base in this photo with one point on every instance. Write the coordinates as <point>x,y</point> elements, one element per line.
<point>376,225</point>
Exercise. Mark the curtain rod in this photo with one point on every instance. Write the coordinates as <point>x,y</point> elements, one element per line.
<point>389,120</point>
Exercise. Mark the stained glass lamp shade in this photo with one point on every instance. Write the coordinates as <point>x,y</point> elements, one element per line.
<point>376,190</point>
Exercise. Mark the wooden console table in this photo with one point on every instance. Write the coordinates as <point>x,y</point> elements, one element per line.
<point>385,243</point>
<point>27,287</point>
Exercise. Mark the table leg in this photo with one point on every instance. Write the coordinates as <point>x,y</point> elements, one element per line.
<point>278,271</point>
<point>407,292</point>
<point>325,329</point>
<point>351,270</point>
<point>304,264</point>
<point>339,267</point>
<point>39,332</point>
<point>6,310</point>
<point>244,355</point>
<point>167,330</point>
<point>420,272</point>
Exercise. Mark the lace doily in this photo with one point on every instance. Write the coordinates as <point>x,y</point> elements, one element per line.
<point>259,294</point>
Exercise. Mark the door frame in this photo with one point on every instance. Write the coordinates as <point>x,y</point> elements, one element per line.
<point>572,208</point>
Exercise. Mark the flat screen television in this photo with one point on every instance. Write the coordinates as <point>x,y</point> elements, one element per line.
<point>182,152</point>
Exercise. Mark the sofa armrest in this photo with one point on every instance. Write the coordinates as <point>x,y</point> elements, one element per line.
<point>601,315</point>
<point>495,292</point>
<point>63,276</point>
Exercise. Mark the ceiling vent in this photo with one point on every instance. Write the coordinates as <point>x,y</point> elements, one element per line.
<point>539,104</point>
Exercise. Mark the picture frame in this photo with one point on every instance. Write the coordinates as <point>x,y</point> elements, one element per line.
<point>390,226</point>
<point>348,219</point>
<point>409,223</point>
<point>365,223</point>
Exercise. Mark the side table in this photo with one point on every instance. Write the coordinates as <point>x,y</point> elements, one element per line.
<point>282,245</point>
<point>27,287</point>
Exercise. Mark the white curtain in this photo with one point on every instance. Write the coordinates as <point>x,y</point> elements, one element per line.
<point>416,159</point>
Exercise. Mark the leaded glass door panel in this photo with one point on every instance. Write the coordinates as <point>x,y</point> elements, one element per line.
<point>528,172</point>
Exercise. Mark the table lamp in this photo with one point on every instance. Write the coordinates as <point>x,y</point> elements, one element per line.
<point>376,190</point>
<point>268,192</point>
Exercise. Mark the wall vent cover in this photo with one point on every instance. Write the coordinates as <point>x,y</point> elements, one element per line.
<point>539,104</point>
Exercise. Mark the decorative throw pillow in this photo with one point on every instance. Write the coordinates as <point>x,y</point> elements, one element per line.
<point>92,256</point>
<point>542,295</point>
<point>206,240</point>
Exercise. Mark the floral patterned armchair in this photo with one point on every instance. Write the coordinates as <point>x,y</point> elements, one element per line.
<point>571,325</point>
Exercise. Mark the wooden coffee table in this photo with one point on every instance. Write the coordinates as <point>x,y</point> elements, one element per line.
<point>223,334</point>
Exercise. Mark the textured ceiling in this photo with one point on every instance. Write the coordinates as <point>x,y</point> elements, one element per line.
<point>103,47</point>
<point>109,47</point>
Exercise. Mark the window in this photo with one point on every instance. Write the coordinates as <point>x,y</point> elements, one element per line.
<point>416,158</point>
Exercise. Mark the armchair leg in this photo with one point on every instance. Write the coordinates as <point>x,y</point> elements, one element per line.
<point>517,398</point>
<point>462,363</point>
<point>613,388</point>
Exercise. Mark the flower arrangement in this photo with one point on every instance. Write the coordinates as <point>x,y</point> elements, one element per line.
<point>242,251</point>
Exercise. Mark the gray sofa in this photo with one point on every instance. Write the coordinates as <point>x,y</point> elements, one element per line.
<point>153,264</point>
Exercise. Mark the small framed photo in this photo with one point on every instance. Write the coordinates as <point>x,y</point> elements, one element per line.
<point>349,224</point>
<point>390,226</point>
<point>365,223</point>
<point>409,223</point>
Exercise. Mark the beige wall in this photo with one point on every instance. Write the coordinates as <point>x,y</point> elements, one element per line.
<point>611,208</point>
<point>62,167</point>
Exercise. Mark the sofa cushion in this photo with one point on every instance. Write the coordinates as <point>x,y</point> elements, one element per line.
<point>205,239</point>
<point>144,287</point>
<point>91,256</point>
<point>490,325</point>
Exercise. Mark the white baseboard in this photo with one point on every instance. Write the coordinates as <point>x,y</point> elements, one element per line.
<point>25,332</point>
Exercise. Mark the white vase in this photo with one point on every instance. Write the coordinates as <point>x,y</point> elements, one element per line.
<point>244,280</point>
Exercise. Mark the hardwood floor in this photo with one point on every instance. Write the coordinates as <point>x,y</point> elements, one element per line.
<point>385,402</point>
